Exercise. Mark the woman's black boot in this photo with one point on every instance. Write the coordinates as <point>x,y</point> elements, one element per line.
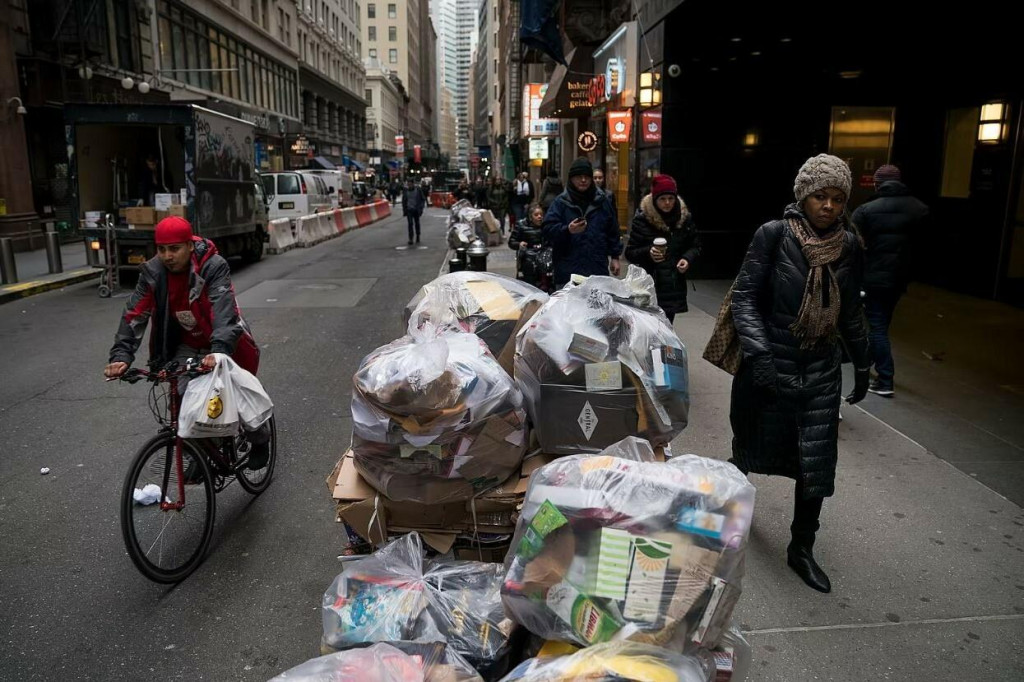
<point>801,560</point>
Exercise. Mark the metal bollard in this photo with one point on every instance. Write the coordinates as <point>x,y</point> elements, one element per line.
<point>53,257</point>
<point>8,268</point>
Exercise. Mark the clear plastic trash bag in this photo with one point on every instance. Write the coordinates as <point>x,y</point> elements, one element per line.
<point>600,362</point>
<point>609,548</point>
<point>436,418</point>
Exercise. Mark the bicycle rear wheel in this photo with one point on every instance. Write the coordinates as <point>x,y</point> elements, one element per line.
<point>166,546</point>
<point>255,481</point>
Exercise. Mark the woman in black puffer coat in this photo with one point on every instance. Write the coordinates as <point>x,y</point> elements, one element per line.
<point>662,213</point>
<point>798,294</point>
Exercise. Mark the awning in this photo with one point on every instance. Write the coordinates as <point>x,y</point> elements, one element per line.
<point>568,93</point>
<point>321,162</point>
<point>359,165</point>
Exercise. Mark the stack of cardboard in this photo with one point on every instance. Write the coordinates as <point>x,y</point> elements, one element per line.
<point>146,217</point>
<point>375,518</point>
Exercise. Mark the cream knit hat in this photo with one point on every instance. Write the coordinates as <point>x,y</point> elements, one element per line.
<point>819,172</point>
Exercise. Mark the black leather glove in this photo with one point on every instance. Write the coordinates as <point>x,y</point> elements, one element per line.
<point>766,379</point>
<point>860,387</point>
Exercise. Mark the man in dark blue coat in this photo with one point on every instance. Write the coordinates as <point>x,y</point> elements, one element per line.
<point>582,228</point>
<point>887,224</point>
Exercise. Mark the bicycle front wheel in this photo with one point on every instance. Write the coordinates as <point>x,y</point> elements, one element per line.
<point>166,546</point>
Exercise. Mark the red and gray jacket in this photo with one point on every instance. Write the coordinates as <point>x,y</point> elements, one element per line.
<point>211,301</point>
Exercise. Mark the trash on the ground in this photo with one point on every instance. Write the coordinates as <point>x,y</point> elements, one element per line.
<point>600,362</point>
<point>615,661</point>
<point>460,235</point>
<point>494,307</point>
<point>396,595</point>
<point>368,517</point>
<point>435,418</point>
<point>934,357</point>
<point>147,495</point>
<point>44,470</point>
<point>608,548</point>
<point>480,221</point>
<point>386,662</point>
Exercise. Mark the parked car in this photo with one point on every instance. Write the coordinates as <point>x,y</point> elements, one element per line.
<point>291,194</point>
<point>339,185</point>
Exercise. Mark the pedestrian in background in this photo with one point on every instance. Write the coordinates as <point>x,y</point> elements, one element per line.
<point>497,201</point>
<point>599,181</point>
<point>582,228</point>
<point>463,191</point>
<point>664,241</point>
<point>796,295</point>
<point>413,203</point>
<point>521,196</point>
<point>480,194</point>
<point>887,224</point>
<point>551,188</point>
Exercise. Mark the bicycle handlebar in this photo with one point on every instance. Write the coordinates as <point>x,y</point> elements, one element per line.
<point>193,367</point>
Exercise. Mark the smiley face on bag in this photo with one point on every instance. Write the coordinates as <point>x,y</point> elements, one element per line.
<point>214,407</point>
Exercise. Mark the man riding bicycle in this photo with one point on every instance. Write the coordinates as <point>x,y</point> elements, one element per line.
<point>186,290</point>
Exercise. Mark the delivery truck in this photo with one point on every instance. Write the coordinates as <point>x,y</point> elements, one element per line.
<point>139,163</point>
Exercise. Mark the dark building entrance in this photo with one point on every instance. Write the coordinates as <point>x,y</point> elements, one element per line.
<point>760,89</point>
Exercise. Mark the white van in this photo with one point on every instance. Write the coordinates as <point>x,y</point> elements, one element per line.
<point>291,194</point>
<point>339,185</point>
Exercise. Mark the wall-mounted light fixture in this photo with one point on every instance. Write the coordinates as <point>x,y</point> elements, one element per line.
<point>21,106</point>
<point>751,139</point>
<point>992,124</point>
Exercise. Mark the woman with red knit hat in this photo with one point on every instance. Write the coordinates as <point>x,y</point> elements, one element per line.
<point>664,241</point>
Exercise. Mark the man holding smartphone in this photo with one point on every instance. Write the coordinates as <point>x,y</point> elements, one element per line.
<point>582,228</point>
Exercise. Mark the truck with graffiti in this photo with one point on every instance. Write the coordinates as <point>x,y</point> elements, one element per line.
<point>139,163</point>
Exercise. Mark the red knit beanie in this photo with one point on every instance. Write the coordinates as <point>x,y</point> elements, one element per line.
<point>663,184</point>
<point>173,230</point>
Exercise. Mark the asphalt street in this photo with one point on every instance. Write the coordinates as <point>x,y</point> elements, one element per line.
<point>926,560</point>
<point>72,605</point>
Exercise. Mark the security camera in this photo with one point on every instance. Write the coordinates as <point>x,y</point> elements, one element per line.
<point>675,70</point>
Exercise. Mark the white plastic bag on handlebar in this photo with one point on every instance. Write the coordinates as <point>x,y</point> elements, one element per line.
<point>216,403</point>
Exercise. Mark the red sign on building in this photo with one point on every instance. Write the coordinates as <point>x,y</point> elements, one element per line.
<point>417,154</point>
<point>651,125</point>
<point>619,124</point>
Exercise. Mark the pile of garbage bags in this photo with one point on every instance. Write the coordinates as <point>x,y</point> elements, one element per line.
<point>436,418</point>
<point>394,662</point>
<point>614,662</point>
<point>611,548</point>
<point>397,595</point>
<point>599,362</point>
<point>494,307</point>
<point>466,224</point>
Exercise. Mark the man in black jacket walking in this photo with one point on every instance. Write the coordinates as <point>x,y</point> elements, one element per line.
<point>887,223</point>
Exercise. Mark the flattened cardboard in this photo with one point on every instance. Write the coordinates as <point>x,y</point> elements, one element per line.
<point>494,300</point>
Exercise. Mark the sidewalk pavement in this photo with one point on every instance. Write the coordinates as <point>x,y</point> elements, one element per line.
<point>926,562</point>
<point>34,277</point>
<point>959,380</point>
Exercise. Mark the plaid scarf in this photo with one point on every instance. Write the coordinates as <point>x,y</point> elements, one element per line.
<point>818,319</point>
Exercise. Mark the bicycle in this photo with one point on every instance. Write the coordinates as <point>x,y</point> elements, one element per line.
<point>165,538</point>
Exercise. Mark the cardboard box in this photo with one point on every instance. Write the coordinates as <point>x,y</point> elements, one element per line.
<point>374,517</point>
<point>140,215</point>
<point>163,201</point>
<point>174,209</point>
